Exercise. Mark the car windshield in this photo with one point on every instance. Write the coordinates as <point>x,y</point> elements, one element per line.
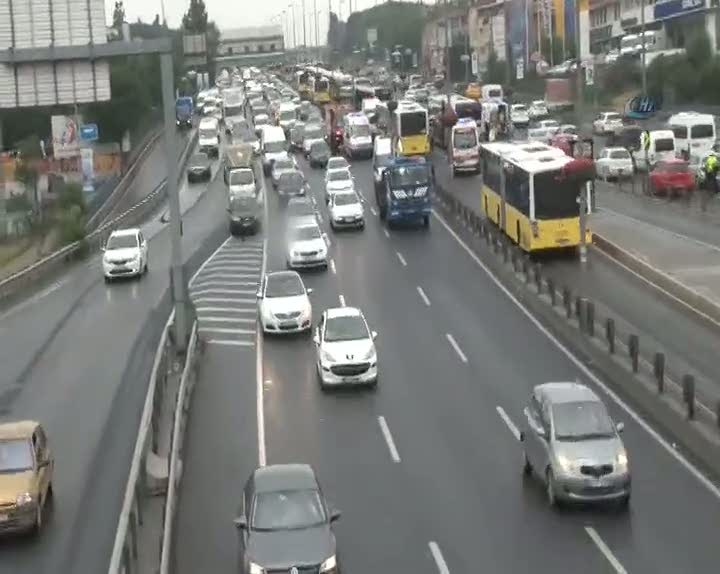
<point>300,208</point>
<point>346,199</point>
<point>674,167</point>
<point>519,108</point>
<point>360,131</point>
<point>409,175</point>
<point>291,180</point>
<point>664,144</point>
<point>241,177</point>
<point>199,159</point>
<point>208,133</point>
<point>572,130</point>
<point>338,175</point>
<point>319,148</point>
<point>288,510</point>
<point>347,328</point>
<point>337,163</point>
<point>612,117</point>
<point>306,233</point>
<point>287,115</point>
<point>15,455</point>
<point>580,420</point>
<point>619,154</point>
<point>313,133</point>
<point>283,164</point>
<point>284,285</point>
<point>465,139</point>
<point>122,242</point>
<point>261,120</point>
<point>274,146</point>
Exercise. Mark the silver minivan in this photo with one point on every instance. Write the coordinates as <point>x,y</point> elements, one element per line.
<point>571,444</point>
<point>382,153</point>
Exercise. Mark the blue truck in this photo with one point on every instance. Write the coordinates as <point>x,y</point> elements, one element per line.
<point>404,192</point>
<point>184,112</point>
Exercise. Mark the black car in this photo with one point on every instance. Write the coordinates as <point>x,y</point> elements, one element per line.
<point>291,183</point>
<point>319,154</point>
<point>198,167</point>
<point>285,523</point>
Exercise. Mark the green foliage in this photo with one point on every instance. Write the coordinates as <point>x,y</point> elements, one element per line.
<point>118,15</point>
<point>26,170</point>
<point>196,18</point>
<point>72,197</point>
<point>18,203</point>
<point>622,75</point>
<point>72,225</point>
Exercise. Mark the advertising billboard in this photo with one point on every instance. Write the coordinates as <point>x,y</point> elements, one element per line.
<point>516,18</point>
<point>65,136</point>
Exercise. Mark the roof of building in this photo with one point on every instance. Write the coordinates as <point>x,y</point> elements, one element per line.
<point>250,33</point>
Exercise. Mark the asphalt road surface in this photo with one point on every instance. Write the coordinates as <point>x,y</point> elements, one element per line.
<point>427,468</point>
<point>77,357</point>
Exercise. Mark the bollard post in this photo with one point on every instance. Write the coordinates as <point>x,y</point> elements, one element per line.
<point>506,252</point>
<point>526,270</point>
<point>610,334</point>
<point>634,351</point>
<point>538,278</point>
<point>717,413</point>
<point>581,304</point>
<point>567,301</point>
<point>659,371</point>
<point>577,306</point>
<point>688,386</point>
<point>551,290</point>
<point>590,318</point>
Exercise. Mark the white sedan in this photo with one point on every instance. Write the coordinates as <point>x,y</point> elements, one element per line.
<point>125,254</point>
<point>607,123</point>
<point>538,109</point>
<point>538,135</point>
<point>306,247</point>
<point>614,162</point>
<point>346,353</point>
<point>519,115</point>
<point>337,162</point>
<point>346,210</point>
<point>283,303</point>
<point>551,127</point>
<point>338,180</point>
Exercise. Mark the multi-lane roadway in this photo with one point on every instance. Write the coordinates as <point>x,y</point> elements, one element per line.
<point>427,468</point>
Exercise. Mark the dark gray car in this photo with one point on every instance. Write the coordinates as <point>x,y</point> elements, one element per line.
<point>319,154</point>
<point>198,167</point>
<point>285,523</point>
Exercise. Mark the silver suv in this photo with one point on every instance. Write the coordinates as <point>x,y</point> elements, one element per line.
<point>571,443</point>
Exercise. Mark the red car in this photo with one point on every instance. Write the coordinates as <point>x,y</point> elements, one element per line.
<point>671,178</point>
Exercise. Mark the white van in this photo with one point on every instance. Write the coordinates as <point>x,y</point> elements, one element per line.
<point>464,146</point>
<point>662,148</point>
<point>209,136</point>
<point>273,145</point>
<point>694,134</point>
<point>382,154</point>
<point>357,137</point>
<point>286,115</point>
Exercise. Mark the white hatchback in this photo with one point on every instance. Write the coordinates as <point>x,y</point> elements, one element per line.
<point>337,180</point>
<point>283,303</point>
<point>306,247</point>
<point>346,210</point>
<point>125,254</point>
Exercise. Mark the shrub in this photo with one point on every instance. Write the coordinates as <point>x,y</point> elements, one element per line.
<point>71,196</point>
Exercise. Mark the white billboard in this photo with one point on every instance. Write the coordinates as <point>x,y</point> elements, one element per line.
<point>39,24</point>
<point>65,136</point>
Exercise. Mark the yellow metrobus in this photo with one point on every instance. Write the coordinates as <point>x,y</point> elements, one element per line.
<point>531,191</point>
<point>410,129</point>
<point>303,85</point>
<point>320,89</point>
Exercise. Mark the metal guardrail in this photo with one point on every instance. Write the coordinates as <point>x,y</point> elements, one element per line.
<point>50,264</point>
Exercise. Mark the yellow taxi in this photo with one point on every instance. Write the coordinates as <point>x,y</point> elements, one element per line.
<point>26,471</point>
<point>473,91</point>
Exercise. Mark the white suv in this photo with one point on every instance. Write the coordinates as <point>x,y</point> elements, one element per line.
<point>346,353</point>
<point>125,254</point>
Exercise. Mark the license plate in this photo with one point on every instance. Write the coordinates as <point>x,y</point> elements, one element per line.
<point>288,324</point>
<point>352,379</point>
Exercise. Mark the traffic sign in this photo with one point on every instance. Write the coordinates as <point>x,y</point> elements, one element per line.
<point>89,133</point>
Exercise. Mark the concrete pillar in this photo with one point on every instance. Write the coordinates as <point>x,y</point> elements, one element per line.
<point>711,28</point>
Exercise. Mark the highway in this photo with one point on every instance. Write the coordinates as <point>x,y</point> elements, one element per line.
<point>427,469</point>
<point>690,345</point>
<point>77,356</point>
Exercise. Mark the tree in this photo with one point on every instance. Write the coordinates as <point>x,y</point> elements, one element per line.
<point>26,170</point>
<point>196,18</point>
<point>118,15</point>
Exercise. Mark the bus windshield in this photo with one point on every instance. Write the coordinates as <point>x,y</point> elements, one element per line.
<point>413,124</point>
<point>556,196</point>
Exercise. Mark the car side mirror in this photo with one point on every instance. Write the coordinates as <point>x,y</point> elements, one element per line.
<point>259,294</point>
<point>309,290</point>
<point>335,514</point>
<point>374,335</point>
<point>240,523</point>
<point>316,337</point>
<point>619,427</point>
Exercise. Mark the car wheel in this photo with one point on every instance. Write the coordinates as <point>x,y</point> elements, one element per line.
<point>373,384</point>
<point>624,502</point>
<point>426,221</point>
<point>527,467</point>
<point>107,279</point>
<point>550,488</point>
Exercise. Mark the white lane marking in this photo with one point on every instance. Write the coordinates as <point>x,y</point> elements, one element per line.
<point>389,439</point>
<point>230,342</point>
<point>401,258</point>
<point>240,255</point>
<point>332,266</point>
<point>222,291</point>
<point>259,393</point>
<point>423,296</point>
<point>226,331</point>
<point>204,263</point>
<point>312,198</point>
<point>706,482</point>
<point>457,348</point>
<point>220,266</point>
<point>438,557</point>
<point>506,419</point>
<point>662,229</point>
<point>386,232</point>
<point>224,300</point>
<point>204,319</point>
<point>210,283</point>
<point>341,297</point>
<point>225,310</point>
<point>372,210</point>
<point>614,562</point>
<point>222,275</point>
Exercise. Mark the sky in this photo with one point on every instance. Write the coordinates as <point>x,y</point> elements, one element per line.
<point>240,13</point>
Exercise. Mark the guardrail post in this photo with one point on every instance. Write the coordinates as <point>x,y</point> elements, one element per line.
<point>567,301</point>
<point>582,306</point>
<point>590,311</point>
<point>538,278</point>
<point>527,270</point>
<point>688,386</point>
<point>505,252</point>
<point>610,334</point>
<point>551,290</point>
<point>577,306</point>
<point>659,371</point>
<point>634,351</point>
<point>717,413</point>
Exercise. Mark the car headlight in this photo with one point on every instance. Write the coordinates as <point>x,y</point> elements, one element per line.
<point>256,569</point>
<point>24,498</point>
<point>329,565</point>
<point>326,357</point>
<point>622,461</point>
<point>370,355</point>
<point>566,464</point>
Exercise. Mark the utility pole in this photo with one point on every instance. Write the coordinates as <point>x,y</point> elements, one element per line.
<point>291,7</point>
<point>642,44</point>
<point>315,17</point>
<point>303,23</point>
<point>448,86</point>
<point>582,200</point>
<point>527,36</point>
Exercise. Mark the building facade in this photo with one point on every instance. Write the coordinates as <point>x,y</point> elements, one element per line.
<point>247,41</point>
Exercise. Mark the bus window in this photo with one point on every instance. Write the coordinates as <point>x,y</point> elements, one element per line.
<point>517,189</point>
<point>413,123</point>
<point>556,196</point>
<point>491,172</point>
